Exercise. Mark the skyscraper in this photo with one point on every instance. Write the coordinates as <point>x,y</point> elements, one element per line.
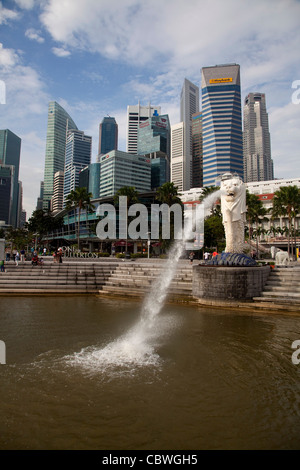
<point>78,156</point>
<point>108,135</point>
<point>197,165</point>
<point>118,169</point>
<point>177,155</point>
<point>6,192</point>
<point>58,192</point>
<point>154,143</point>
<point>59,122</point>
<point>189,105</point>
<point>39,202</point>
<point>10,149</point>
<point>258,165</point>
<point>221,122</point>
<point>89,178</point>
<point>135,115</point>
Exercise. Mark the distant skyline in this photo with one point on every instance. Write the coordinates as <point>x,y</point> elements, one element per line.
<point>96,57</point>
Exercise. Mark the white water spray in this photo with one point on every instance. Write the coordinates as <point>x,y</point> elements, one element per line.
<point>137,347</point>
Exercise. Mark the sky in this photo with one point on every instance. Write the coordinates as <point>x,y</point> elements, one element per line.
<point>96,57</point>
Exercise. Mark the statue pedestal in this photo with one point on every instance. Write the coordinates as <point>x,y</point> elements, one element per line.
<point>229,282</point>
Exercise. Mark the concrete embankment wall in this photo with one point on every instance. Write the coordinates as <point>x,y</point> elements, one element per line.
<point>229,283</point>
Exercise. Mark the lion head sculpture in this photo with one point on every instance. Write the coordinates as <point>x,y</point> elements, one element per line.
<point>233,198</point>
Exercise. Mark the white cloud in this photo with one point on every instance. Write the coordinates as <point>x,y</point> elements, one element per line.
<point>8,57</point>
<point>25,114</point>
<point>285,142</point>
<point>60,52</point>
<point>6,14</point>
<point>34,35</point>
<point>26,4</point>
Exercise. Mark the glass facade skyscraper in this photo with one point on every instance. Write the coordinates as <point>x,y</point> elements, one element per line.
<point>89,178</point>
<point>108,135</point>
<point>221,122</point>
<point>78,156</point>
<point>6,192</point>
<point>197,173</point>
<point>154,142</point>
<point>136,114</point>
<point>10,150</point>
<point>59,122</point>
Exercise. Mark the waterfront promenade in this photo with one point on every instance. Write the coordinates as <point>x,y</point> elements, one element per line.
<point>133,279</point>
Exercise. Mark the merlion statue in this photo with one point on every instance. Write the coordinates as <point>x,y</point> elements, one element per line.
<point>233,208</point>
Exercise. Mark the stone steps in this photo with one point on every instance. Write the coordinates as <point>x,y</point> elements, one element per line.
<point>134,279</point>
<point>282,287</point>
<point>54,279</point>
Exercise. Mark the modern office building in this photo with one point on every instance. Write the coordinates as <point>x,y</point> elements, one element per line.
<point>10,150</point>
<point>39,202</point>
<point>160,171</point>
<point>178,168</point>
<point>154,143</point>
<point>119,169</point>
<point>20,204</point>
<point>57,200</point>
<point>258,164</point>
<point>197,160</point>
<point>78,156</point>
<point>6,192</point>
<point>189,105</point>
<point>89,178</point>
<point>59,122</point>
<point>221,122</point>
<point>135,115</point>
<point>108,135</point>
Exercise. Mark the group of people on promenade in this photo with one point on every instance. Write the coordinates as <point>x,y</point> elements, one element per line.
<point>20,256</point>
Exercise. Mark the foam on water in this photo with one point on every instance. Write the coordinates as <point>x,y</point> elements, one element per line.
<point>137,348</point>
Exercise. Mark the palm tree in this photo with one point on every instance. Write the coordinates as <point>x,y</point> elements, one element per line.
<point>167,193</point>
<point>256,213</point>
<point>286,202</point>
<point>132,198</point>
<point>80,199</point>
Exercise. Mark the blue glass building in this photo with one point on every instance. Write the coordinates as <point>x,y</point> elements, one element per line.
<point>89,178</point>
<point>154,142</point>
<point>108,135</point>
<point>221,122</point>
<point>10,150</point>
<point>78,156</point>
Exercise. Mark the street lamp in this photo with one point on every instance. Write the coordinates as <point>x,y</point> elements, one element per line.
<point>148,243</point>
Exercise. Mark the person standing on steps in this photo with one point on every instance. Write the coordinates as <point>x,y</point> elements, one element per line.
<point>191,257</point>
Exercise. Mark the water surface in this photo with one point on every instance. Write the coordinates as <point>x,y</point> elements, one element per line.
<point>85,373</point>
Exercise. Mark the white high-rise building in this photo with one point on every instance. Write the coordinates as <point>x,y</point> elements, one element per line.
<point>258,165</point>
<point>135,115</point>
<point>58,192</point>
<point>189,105</point>
<point>178,169</point>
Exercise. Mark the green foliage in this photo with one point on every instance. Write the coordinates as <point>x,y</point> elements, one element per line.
<point>286,203</point>
<point>18,237</point>
<point>214,235</point>
<point>79,199</point>
<point>41,222</point>
<point>167,193</point>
